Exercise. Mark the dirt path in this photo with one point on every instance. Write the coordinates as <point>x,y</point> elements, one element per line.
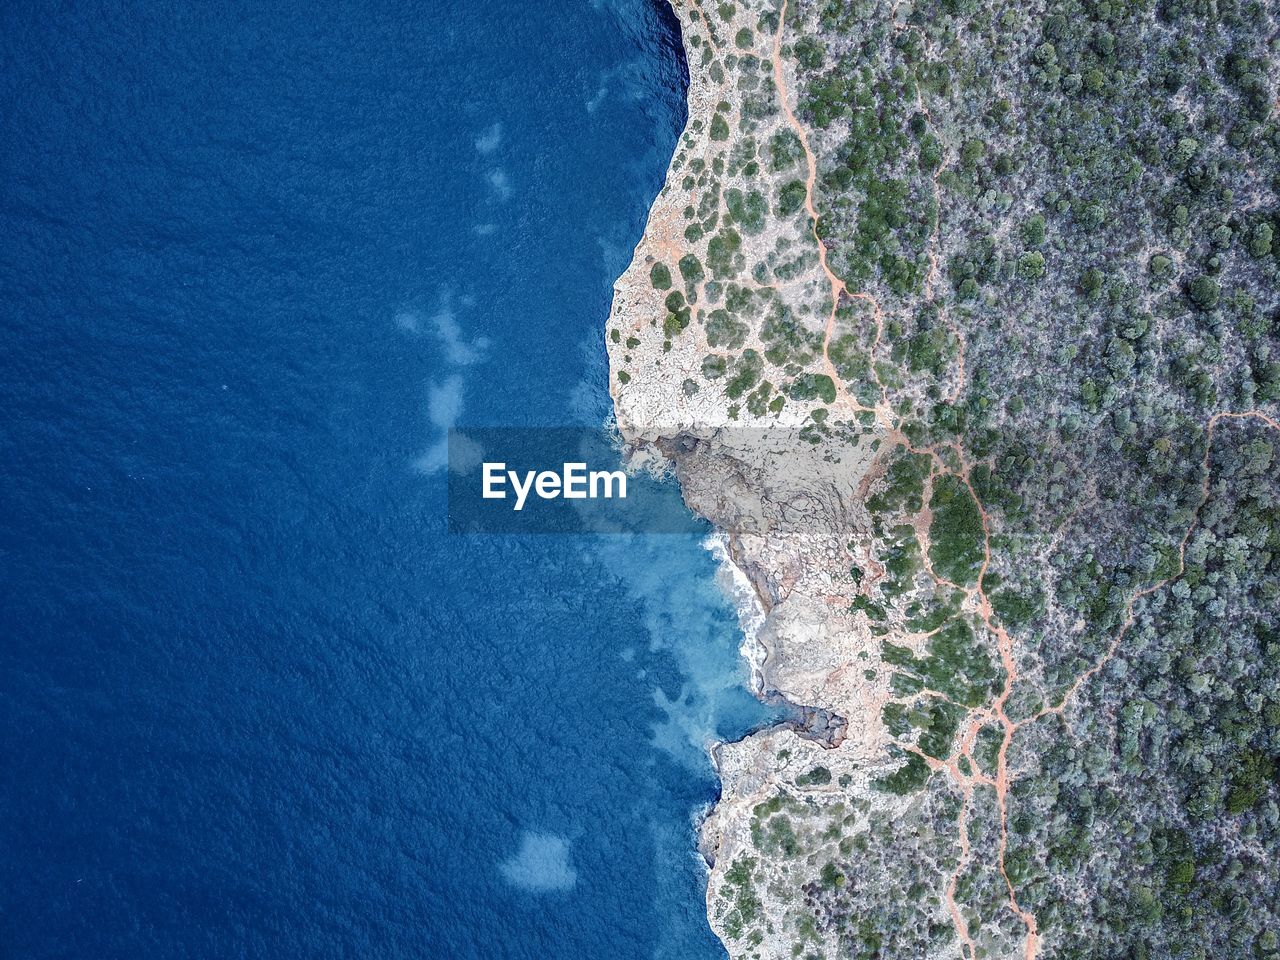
<point>996,713</point>
<point>837,285</point>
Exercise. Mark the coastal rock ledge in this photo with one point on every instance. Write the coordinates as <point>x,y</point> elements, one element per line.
<point>784,489</point>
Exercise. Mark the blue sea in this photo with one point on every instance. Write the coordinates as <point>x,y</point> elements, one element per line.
<point>255,700</point>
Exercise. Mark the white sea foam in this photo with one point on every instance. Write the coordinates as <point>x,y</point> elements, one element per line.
<point>444,405</point>
<point>541,865</point>
<point>737,586</point>
<point>490,140</point>
<point>445,397</point>
<point>458,351</point>
<point>683,613</point>
<point>500,183</point>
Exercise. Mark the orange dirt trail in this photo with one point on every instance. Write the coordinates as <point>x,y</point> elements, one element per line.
<point>995,712</point>
<point>838,286</point>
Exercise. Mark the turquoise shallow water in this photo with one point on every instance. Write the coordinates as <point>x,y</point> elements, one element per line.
<point>254,700</point>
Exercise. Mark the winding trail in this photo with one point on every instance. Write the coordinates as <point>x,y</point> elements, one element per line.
<point>996,713</point>
<point>886,419</point>
<point>838,286</point>
<point>1210,427</point>
<point>1000,780</point>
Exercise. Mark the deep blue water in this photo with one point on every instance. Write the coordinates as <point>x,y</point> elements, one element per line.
<point>254,700</point>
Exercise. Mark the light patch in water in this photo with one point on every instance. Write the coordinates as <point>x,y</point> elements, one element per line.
<point>541,865</point>
<point>490,140</point>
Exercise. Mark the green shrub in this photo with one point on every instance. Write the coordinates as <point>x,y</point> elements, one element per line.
<point>1204,292</point>
<point>1031,265</point>
<point>813,385</point>
<point>956,535</point>
<point>690,268</point>
<point>791,197</point>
